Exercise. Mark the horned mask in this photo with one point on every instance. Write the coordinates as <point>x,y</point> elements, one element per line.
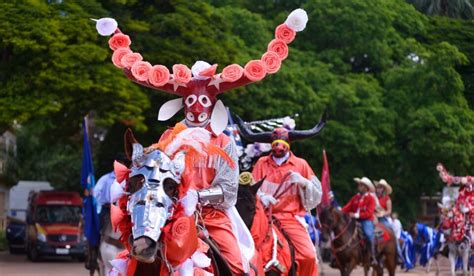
<point>279,137</point>
<point>199,86</point>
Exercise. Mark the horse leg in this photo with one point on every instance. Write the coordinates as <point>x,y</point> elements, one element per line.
<point>465,260</point>
<point>452,259</point>
<point>391,263</point>
<point>428,267</point>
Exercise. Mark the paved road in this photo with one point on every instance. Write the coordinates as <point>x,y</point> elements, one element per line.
<point>443,263</point>
<point>13,265</point>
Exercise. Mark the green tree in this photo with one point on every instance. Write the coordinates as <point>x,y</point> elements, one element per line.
<point>451,8</point>
<point>460,34</point>
<point>396,83</point>
<point>53,68</point>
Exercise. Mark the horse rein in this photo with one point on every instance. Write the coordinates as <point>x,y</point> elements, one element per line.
<point>345,245</point>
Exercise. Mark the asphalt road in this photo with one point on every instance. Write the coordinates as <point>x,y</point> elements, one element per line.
<point>19,265</point>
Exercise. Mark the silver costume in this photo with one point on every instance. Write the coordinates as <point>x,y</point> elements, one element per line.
<point>311,195</point>
<point>150,206</point>
<point>227,178</point>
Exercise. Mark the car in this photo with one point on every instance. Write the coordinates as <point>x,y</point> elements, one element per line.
<point>54,225</point>
<point>16,235</point>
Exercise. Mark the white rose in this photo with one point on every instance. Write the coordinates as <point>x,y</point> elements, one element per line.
<point>106,26</point>
<point>198,67</point>
<point>250,150</point>
<point>289,123</point>
<point>297,20</point>
<point>264,147</point>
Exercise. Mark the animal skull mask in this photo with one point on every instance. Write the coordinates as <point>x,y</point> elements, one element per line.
<point>280,138</point>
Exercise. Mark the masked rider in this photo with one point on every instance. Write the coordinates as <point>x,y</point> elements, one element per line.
<point>215,182</point>
<point>291,188</point>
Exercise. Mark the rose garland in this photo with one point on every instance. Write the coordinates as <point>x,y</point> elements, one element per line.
<point>449,179</point>
<point>159,75</point>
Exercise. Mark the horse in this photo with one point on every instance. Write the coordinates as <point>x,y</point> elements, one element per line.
<point>110,244</point>
<point>152,201</point>
<point>280,255</point>
<point>346,244</point>
<point>459,246</point>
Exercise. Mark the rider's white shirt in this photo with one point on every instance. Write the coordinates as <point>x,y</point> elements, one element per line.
<point>397,228</point>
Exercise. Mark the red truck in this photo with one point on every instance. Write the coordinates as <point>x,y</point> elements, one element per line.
<point>54,222</point>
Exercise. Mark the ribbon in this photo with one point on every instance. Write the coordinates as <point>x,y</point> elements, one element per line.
<point>121,171</point>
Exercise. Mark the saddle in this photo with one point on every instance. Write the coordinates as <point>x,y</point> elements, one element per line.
<point>381,234</point>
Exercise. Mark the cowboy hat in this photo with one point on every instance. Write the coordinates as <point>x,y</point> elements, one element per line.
<point>364,180</point>
<point>384,183</point>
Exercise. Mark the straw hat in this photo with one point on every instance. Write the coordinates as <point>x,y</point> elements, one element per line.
<point>364,180</point>
<point>384,183</point>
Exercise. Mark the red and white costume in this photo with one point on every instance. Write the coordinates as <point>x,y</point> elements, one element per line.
<point>292,204</point>
<point>363,205</point>
<point>217,222</point>
<point>198,89</point>
<point>290,188</point>
<point>460,219</point>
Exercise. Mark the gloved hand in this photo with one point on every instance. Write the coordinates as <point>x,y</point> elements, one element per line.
<point>296,177</point>
<point>267,199</point>
<point>190,201</point>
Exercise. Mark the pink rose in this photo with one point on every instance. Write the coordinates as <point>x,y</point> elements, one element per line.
<point>181,73</point>
<point>119,41</point>
<point>129,60</point>
<point>158,75</point>
<point>272,62</point>
<point>118,55</point>
<point>232,73</point>
<point>284,33</point>
<point>209,72</point>
<point>140,70</point>
<point>278,46</point>
<point>255,70</point>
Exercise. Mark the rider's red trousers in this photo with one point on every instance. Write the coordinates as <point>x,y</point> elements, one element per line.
<point>219,227</point>
<point>305,254</point>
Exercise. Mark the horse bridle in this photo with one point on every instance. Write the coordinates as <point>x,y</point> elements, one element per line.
<point>345,229</point>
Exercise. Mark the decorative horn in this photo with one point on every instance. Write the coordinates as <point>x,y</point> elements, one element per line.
<point>248,134</point>
<point>129,140</point>
<point>295,135</point>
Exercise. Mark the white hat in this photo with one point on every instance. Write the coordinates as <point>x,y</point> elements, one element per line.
<point>364,180</point>
<point>384,183</point>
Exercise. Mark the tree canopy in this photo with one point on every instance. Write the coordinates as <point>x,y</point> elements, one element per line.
<point>396,83</point>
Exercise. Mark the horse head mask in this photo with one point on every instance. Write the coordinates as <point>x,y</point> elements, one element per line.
<point>153,183</point>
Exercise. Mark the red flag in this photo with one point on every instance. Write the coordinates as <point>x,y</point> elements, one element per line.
<point>325,182</point>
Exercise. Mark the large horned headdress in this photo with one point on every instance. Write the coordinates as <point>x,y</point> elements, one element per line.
<point>199,86</point>
<point>279,133</point>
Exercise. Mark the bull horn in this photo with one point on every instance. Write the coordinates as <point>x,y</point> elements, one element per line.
<point>248,134</point>
<point>295,135</point>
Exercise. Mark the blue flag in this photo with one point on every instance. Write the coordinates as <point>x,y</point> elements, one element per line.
<point>89,211</point>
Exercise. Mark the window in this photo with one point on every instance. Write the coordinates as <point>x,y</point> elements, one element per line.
<point>58,214</point>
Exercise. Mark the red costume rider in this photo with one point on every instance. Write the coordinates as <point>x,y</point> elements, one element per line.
<point>215,183</point>
<point>290,188</point>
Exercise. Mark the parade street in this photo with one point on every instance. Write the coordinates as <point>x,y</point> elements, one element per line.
<point>11,265</point>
